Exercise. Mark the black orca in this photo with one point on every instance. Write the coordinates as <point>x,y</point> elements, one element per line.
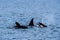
<point>41,24</point>
<point>20,26</point>
<point>31,22</point>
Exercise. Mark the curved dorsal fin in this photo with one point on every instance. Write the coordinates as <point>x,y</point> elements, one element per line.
<point>17,24</point>
<point>31,22</point>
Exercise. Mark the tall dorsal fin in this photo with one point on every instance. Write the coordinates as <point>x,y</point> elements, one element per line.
<point>31,22</point>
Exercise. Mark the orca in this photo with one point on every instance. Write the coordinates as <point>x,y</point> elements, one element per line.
<point>20,26</point>
<point>31,22</point>
<point>41,24</point>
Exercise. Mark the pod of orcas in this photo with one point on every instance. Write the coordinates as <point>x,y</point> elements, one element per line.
<point>31,23</point>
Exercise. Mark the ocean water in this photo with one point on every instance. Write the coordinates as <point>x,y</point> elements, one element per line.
<point>22,11</point>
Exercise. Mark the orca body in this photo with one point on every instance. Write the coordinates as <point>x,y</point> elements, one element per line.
<point>20,26</point>
<point>41,24</point>
<point>31,22</point>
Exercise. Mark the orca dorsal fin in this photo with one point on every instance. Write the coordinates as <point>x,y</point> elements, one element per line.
<point>17,24</point>
<point>31,22</point>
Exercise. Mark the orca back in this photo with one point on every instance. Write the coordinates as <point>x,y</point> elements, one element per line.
<point>18,26</point>
<point>43,25</point>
